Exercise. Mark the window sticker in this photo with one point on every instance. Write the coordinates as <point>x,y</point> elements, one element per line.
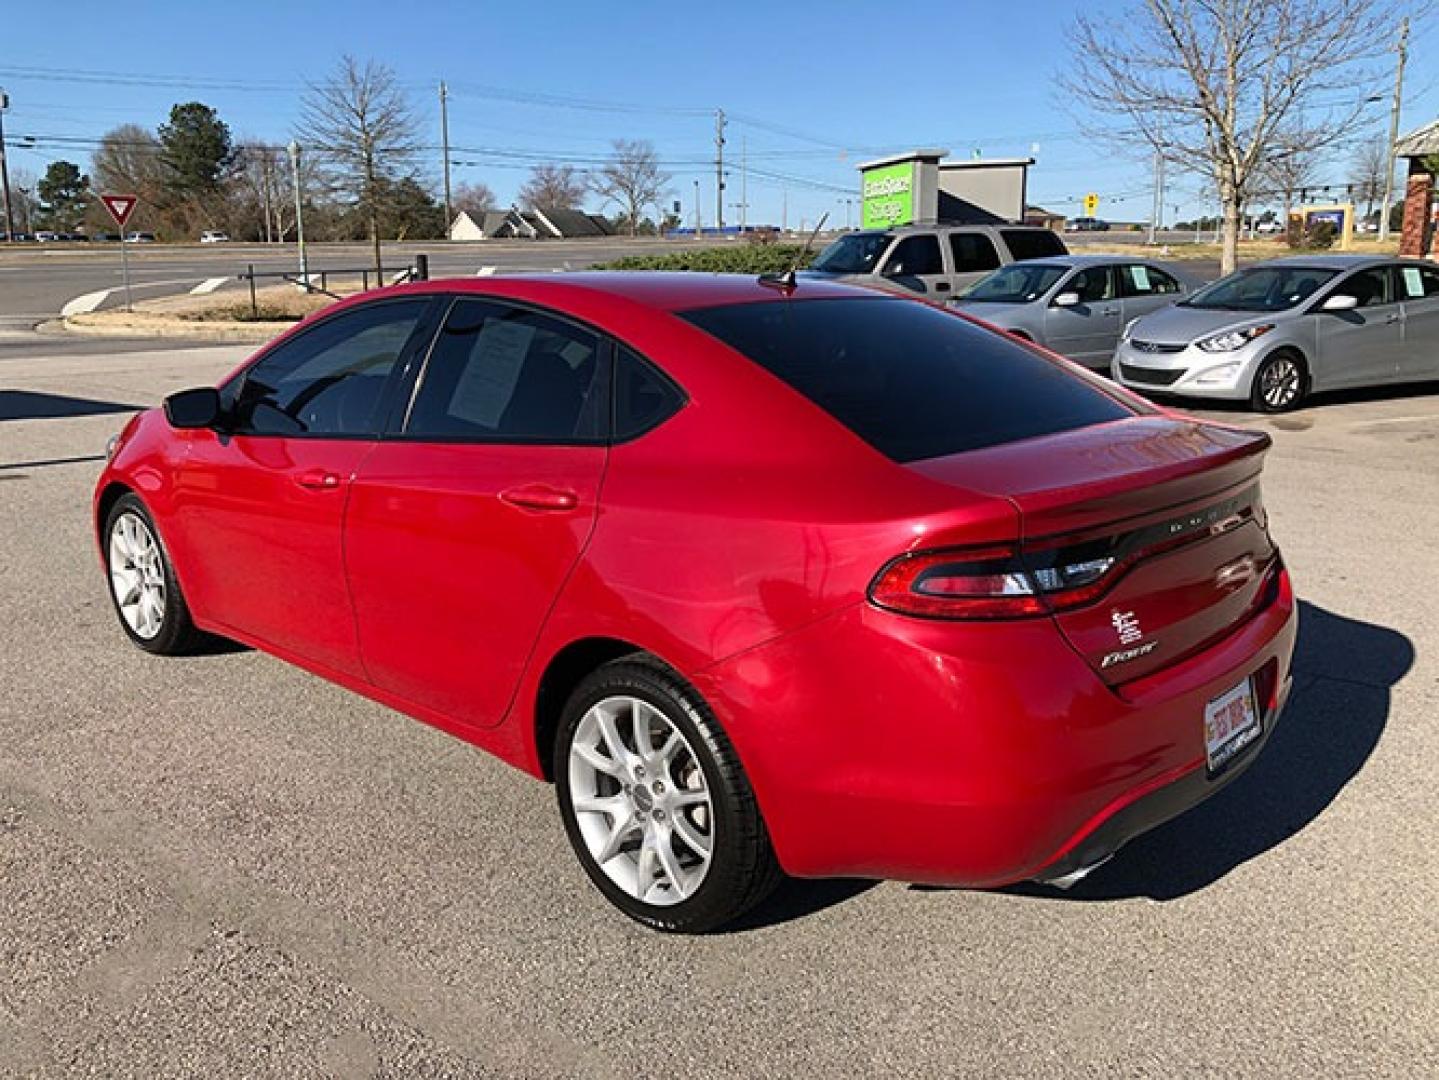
<point>488,382</point>
<point>1413,283</point>
<point>1141,278</point>
<point>575,354</point>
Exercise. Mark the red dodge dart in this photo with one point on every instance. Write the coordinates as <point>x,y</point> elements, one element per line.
<point>766,577</point>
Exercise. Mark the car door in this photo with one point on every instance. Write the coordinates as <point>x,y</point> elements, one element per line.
<point>916,264</point>
<point>973,255</point>
<point>260,503</point>
<point>466,520</point>
<point>1361,346</point>
<point>1419,294</point>
<point>1086,331</point>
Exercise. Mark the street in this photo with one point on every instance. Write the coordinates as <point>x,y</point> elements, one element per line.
<point>222,866</point>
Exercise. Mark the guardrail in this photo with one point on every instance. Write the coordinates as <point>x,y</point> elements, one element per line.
<point>419,270</point>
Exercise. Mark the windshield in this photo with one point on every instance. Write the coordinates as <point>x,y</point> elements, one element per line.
<point>856,253</point>
<point>1018,283</point>
<point>1263,288</point>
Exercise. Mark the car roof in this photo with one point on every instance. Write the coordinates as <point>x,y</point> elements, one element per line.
<point>1327,262</point>
<point>660,290</point>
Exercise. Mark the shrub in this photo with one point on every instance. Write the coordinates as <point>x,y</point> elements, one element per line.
<point>740,259</point>
<point>1320,235</point>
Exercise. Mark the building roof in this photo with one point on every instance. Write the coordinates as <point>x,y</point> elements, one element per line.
<point>910,155</point>
<point>1420,142</point>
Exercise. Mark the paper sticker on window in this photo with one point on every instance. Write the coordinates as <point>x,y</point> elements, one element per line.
<point>575,354</point>
<point>488,382</point>
<point>1413,283</point>
<point>1141,278</point>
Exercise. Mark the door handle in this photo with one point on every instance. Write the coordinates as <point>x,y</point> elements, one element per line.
<point>541,497</point>
<point>941,286</point>
<point>1110,311</point>
<point>318,480</point>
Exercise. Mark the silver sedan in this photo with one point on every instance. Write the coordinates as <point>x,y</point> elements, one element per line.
<point>1273,333</point>
<point>1076,305</point>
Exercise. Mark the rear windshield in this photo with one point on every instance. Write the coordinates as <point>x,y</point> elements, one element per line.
<point>1032,243</point>
<point>913,381</point>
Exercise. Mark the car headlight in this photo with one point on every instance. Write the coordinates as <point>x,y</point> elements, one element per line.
<point>1128,329</point>
<point>1233,339</point>
<point>1222,374</point>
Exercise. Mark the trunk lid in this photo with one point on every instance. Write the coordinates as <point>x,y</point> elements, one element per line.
<point>1173,502</point>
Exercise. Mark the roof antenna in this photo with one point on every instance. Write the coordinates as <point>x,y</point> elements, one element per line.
<point>787,280</point>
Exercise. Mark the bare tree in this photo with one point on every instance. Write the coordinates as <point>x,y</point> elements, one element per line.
<point>1370,166</point>
<point>474,199</point>
<point>632,178</point>
<point>1290,169</point>
<point>128,162</point>
<point>553,187</point>
<point>1210,83</point>
<point>263,186</point>
<point>360,123</point>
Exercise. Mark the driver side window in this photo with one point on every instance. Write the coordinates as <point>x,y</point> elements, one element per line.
<point>328,381</point>
<point>1092,285</point>
<point>915,255</point>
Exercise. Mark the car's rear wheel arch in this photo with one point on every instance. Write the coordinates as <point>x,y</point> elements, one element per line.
<point>566,669</point>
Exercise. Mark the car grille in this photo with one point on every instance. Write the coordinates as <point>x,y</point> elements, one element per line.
<point>1150,376</point>
<point>1155,347</point>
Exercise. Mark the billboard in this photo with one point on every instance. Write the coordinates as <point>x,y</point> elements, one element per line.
<point>888,196</point>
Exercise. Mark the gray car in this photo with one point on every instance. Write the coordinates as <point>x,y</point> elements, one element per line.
<point>1077,305</point>
<point>1272,333</point>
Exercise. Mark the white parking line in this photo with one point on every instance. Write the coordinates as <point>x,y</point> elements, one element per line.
<point>485,271</point>
<point>209,285</point>
<point>81,304</point>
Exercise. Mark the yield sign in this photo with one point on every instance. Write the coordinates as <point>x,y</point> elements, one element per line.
<point>120,207</point>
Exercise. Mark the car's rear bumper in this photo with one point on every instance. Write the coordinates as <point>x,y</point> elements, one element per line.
<point>975,754</point>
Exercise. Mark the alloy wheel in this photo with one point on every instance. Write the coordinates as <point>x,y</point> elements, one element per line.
<point>1279,383</point>
<point>641,801</point>
<point>137,575</point>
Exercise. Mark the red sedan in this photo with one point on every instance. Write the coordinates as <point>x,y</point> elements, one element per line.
<point>763,576</point>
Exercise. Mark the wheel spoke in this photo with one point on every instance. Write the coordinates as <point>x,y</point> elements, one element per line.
<point>669,864</point>
<point>689,797</point>
<point>690,836</point>
<point>612,806</point>
<point>594,759</point>
<point>620,831</point>
<point>644,737</point>
<point>610,734</point>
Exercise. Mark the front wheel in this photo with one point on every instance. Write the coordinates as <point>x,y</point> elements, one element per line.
<point>1280,383</point>
<point>142,582</point>
<point>655,802</point>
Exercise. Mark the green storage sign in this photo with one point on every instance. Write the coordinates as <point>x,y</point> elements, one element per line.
<point>888,196</point>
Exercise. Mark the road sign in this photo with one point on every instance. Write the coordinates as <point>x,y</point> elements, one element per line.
<point>1091,203</point>
<point>120,207</point>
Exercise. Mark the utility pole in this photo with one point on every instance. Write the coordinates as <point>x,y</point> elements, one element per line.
<point>784,210</point>
<point>299,213</point>
<point>719,168</point>
<point>1394,129</point>
<point>743,180</point>
<point>445,149</point>
<point>1156,213</point>
<point>699,224</point>
<point>5,171</point>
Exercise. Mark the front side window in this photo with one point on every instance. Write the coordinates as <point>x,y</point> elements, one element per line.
<point>856,253</point>
<point>330,380</point>
<point>509,374</point>
<point>1092,285</point>
<point>1370,288</point>
<point>973,253</point>
<point>915,255</point>
<point>1017,283</point>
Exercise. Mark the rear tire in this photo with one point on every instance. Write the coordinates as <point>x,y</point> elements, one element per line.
<point>143,587</point>
<point>1281,383</point>
<point>655,803</point>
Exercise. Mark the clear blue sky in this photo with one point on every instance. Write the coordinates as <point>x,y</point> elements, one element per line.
<point>811,87</point>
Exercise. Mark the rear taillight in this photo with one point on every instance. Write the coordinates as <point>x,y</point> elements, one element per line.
<point>989,582</point>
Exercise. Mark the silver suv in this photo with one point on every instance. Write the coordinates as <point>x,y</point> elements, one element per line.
<point>936,261</point>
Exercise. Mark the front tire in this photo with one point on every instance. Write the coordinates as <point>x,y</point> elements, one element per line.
<point>143,587</point>
<point>655,802</point>
<point>1281,383</point>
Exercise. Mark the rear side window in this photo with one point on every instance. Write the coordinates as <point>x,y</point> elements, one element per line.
<point>1137,279</point>
<point>913,381</point>
<point>502,373</point>
<point>973,253</point>
<point>644,398</point>
<point>1418,282</point>
<point>915,255</point>
<point>1032,244</point>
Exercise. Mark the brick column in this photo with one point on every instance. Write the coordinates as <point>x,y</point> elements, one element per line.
<point>1418,190</point>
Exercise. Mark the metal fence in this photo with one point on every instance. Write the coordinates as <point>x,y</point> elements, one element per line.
<point>319,280</point>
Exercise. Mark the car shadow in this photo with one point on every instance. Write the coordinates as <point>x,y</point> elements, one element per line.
<point>33,405</point>
<point>799,898</point>
<point>1344,670</point>
<point>1320,400</point>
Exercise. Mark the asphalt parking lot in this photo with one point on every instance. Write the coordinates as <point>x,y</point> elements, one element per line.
<point>222,866</point>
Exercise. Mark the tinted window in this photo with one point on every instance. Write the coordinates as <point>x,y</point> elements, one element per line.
<point>329,380</point>
<point>973,252</point>
<point>912,380</point>
<point>853,254</point>
<point>505,373</point>
<point>915,255</point>
<point>1017,283</point>
<point>1418,282</point>
<point>1032,244</point>
<point>1263,288</point>
<point>643,397</point>
<point>1137,279</point>
<point>1092,285</point>
<point>1370,288</point>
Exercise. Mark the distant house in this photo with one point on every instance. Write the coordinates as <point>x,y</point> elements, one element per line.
<point>528,225</point>
<point>1044,219</point>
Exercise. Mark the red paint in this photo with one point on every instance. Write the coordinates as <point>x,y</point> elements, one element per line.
<point>737,541</point>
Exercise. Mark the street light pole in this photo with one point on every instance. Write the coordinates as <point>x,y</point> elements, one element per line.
<point>5,171</point>
<point>1393,130</point>
<point>299,214</point>
<point>445,145</point>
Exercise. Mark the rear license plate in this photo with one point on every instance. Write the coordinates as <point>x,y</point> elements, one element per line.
<point>1231,722</point>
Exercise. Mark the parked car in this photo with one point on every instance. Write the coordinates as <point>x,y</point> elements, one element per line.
<point>1077,305</point>
<point>1087,224</point>
<point>139,238</point>
<point>213,236</point>
<point>1273,333</point>
<point>932,260</point>
<point>45,236</point>
<point>762,575</point>
<point>75,238</point>
<point>107,238</point>
<point>1269,228</point>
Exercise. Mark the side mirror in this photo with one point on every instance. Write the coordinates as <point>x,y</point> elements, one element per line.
<point>1340,302</point>
<point>1066,299</point>
<point>194,408</point>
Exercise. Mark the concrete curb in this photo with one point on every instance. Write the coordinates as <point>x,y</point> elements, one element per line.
<point>123,325</point>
